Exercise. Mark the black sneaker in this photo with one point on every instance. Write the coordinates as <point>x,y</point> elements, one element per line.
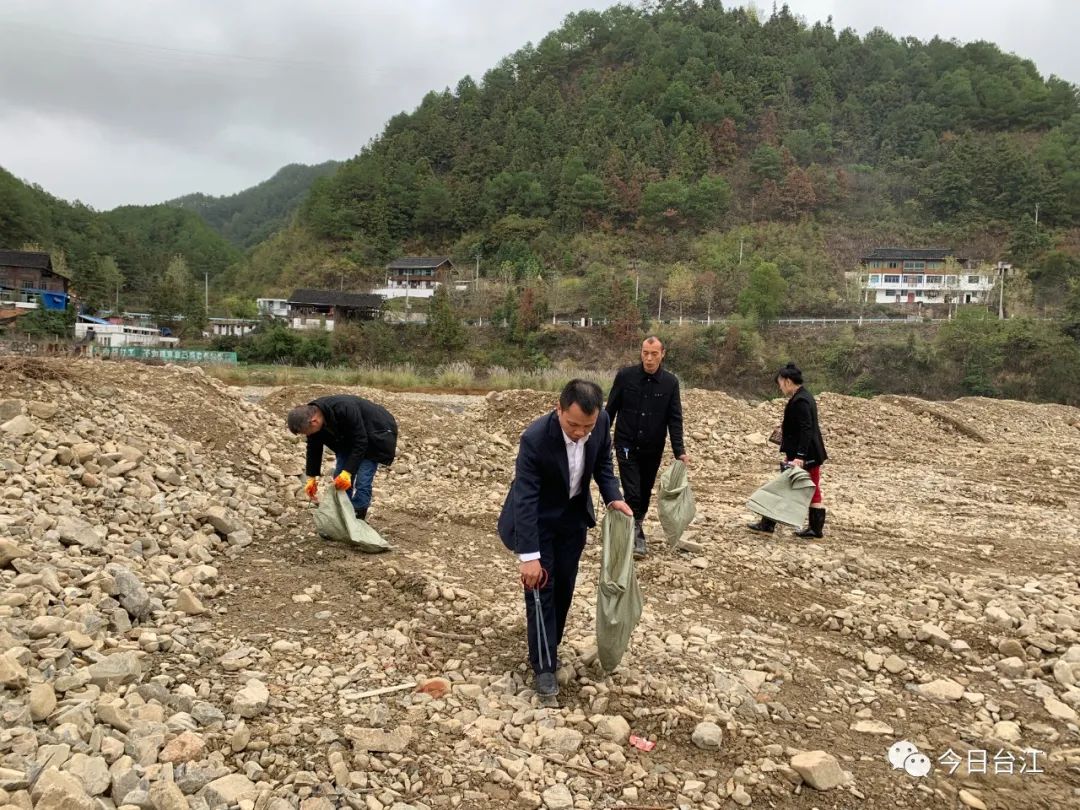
<point>546,684</point>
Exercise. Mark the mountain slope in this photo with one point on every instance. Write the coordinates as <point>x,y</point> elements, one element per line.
<point>141,239</point>
<point>252,215</point>
<point>690,117</point>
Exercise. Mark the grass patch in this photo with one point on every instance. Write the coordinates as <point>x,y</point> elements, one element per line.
<point>404,377</point>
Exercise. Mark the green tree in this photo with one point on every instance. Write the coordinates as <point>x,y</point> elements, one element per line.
<point>177,302</point>
<point>434,208</point>
<point>766,164</point>
<point>681,288</point>
<point>588,197</point>
<point>97,283</point>
<point>238,307</point>
<point>444,327</point>
<point>663,202</point>
<point>763,295</point>
<point>708,201</point>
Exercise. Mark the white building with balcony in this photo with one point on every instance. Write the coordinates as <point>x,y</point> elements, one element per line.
<point>274,307</point>
<point>904,276</point>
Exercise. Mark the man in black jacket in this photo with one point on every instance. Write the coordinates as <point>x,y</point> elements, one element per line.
<point>362,435</point>
<point>645,405</point>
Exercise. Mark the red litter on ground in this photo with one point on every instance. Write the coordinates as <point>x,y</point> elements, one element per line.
<point>641,743</point>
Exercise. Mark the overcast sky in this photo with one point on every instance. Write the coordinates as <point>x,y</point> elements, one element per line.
<point>127,101</point>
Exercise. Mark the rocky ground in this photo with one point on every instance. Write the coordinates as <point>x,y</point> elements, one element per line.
<point>175,636</point>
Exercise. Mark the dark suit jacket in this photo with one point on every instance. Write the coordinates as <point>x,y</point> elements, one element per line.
<point>801,435</point>
<point>538,504</point>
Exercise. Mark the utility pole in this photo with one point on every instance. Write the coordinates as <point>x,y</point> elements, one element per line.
<point>660,308</point>
<point>1036,217</point>
<point>1001,291</point>
<point>740,250</point>
<point>206,281</point>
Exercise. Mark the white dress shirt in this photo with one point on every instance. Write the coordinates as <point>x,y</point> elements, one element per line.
<point>575,462</point>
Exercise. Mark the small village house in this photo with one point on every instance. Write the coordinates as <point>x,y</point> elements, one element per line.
<point>321,309</point>
<point>415,276</point>
<point>27,277</point>
<point>909,277</point>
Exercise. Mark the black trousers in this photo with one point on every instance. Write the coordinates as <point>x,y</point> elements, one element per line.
<point>637,471</point>
<point>560,553</point>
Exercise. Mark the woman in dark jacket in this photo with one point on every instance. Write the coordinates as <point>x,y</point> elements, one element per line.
<point>801,445</point>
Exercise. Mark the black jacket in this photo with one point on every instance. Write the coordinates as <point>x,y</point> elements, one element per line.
<point>355,429</point>
<point>538,506</point>
<point>645,409</point>
<point>801,435</point>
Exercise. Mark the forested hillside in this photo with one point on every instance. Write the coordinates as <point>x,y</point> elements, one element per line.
<point>128,247</point>
<point>692,117</point>
<point>252,215</point>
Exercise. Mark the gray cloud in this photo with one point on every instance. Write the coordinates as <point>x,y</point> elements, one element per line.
<point>120,101</point>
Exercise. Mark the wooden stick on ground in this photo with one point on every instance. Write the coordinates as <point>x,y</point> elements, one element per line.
<point>386,690</point>
<point>452,636</point>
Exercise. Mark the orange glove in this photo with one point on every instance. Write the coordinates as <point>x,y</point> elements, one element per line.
<point>343,481</point>
<point>312,488</point>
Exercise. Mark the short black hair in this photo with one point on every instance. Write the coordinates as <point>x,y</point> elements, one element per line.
<point>790,372</point>
<point>300,417</point>
<point>585,393</point>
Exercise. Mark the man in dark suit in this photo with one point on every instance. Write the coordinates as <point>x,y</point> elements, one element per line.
<point>549,510</point>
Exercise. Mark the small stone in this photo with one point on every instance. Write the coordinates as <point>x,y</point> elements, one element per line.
<point>43,410</point>
<point>168,796</point>
<point>1059,711</point>
<point>252,699</point>
<point>999,617</point>
<point>708,736</point>
<point>12,673</point>
<point>558,797</point>
<point>741,797</point>
<point>614,728</point>
<point>115,670</point>
<point>10,551</point>
<point>42,701</point>
<point>228,790</point>
<point>873,661</point>
<point>942,689</point>
<point>1007,730</point>
<point>895,664</point>
<point>1011,648</point>
<point>187,747</point>
<point>872,727</point>
<point>819,769</point>
<point>21,425</point>
<point>187,602</point>
<point>93,772</point>
<point>376,739</point>
<point>1011,667</point>
<point>931,633</point>
<point>223,520</point>
<point>564,741</point>
<point>969,799</point>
